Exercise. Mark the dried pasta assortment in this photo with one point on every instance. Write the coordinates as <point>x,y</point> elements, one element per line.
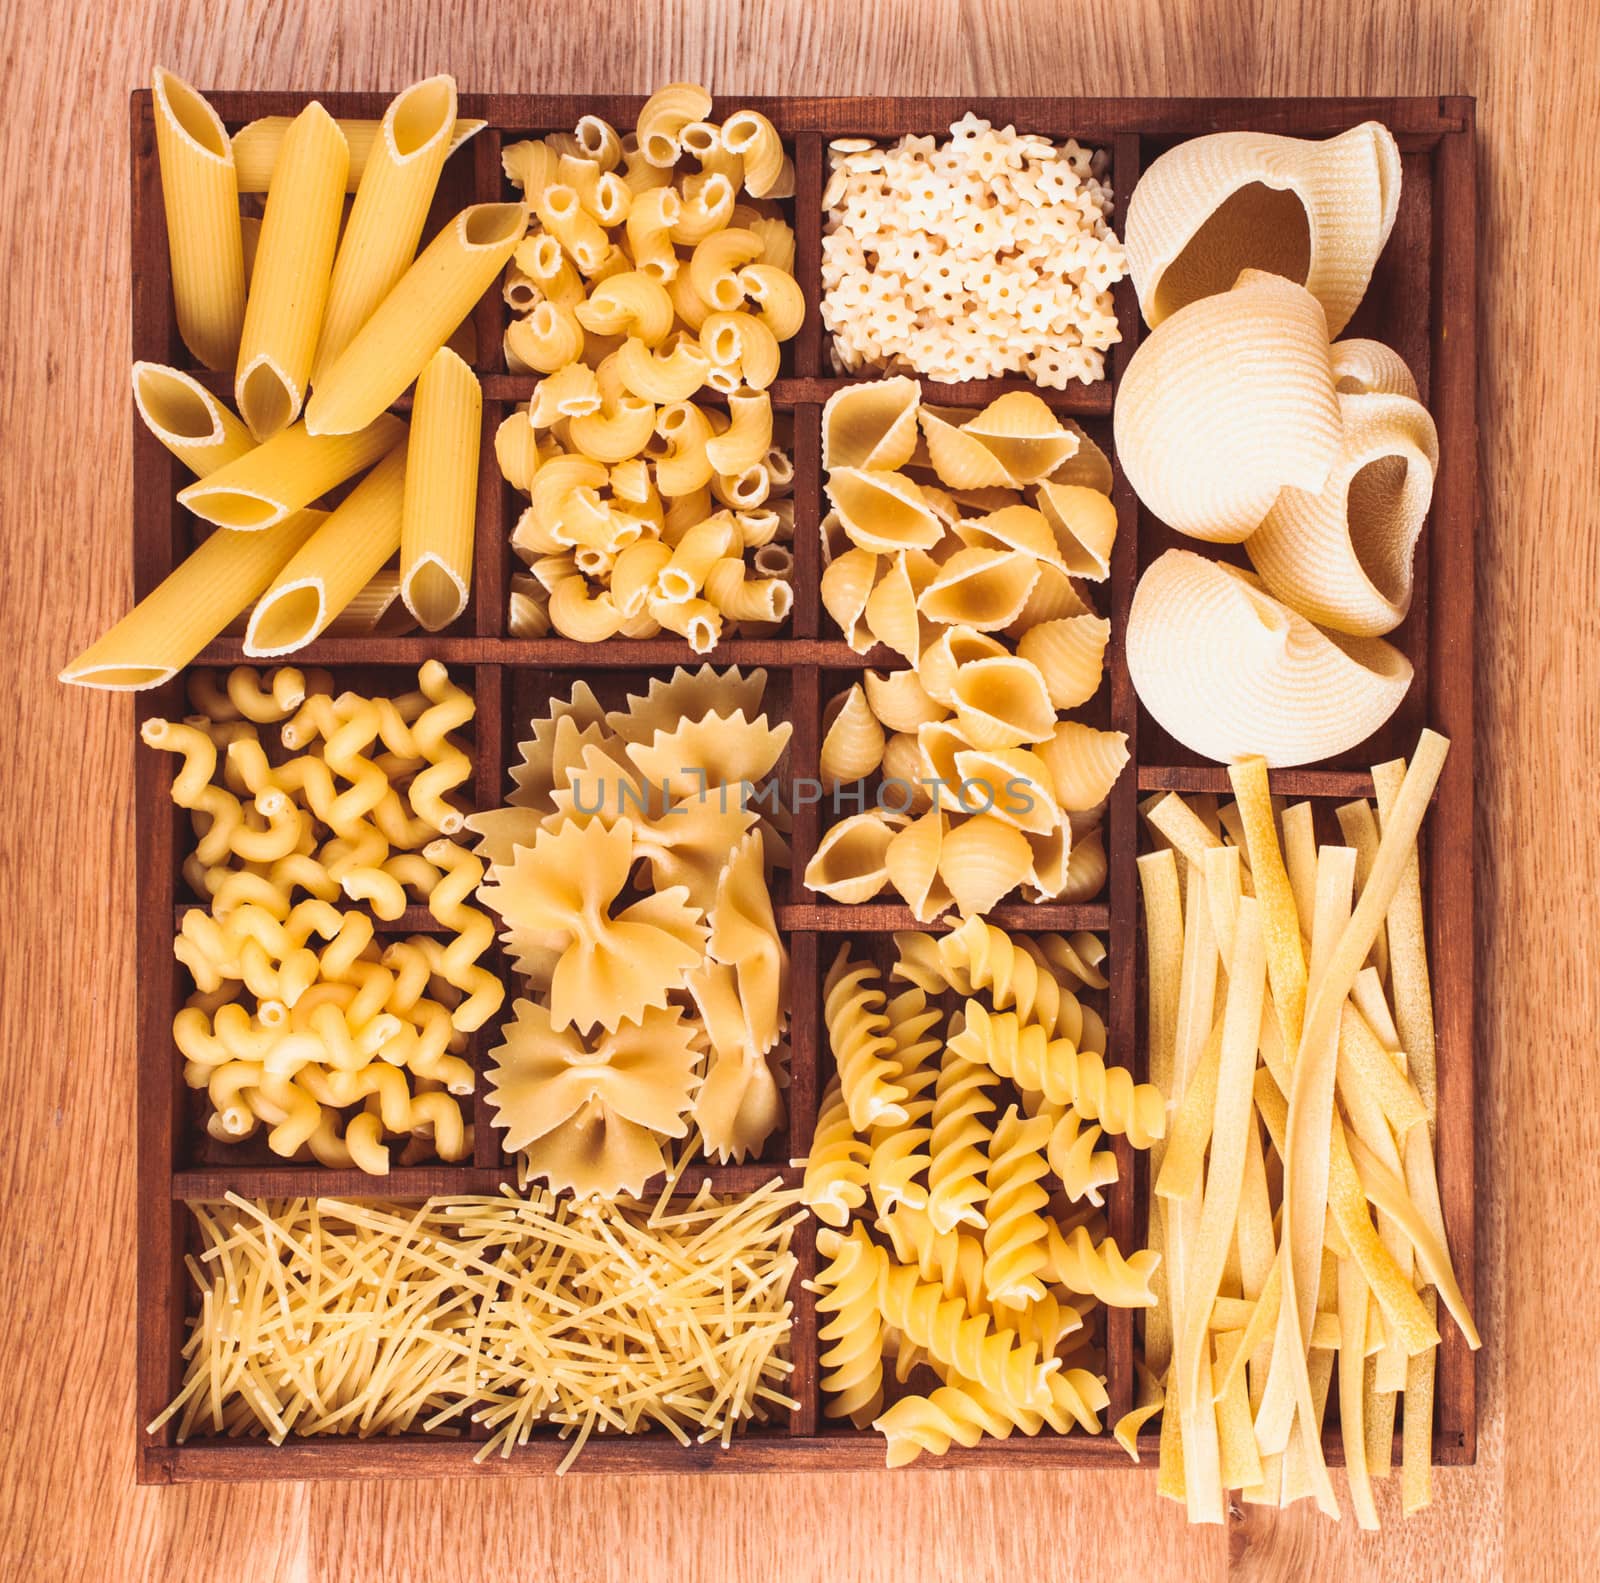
<point>1295,1201</point>
<point>963,543</point>
<point>301,1019</point>
<point>991,253</point>
<point>942,1144</point>
<point>652,507</point>
<point>630,870</point>
<point>320,1317</point>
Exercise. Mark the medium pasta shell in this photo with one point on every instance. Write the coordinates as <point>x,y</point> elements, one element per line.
<point>1317,213</point>
<point>1086,869</point>
<point>1369,368</point>
<point>905,774</point>
<point>883,511</point>
<point>1052,851</point>
<point>1229,671</point>
<point>1084,764</point>
<point>849,863</point>
<point>981,860</point>
<point>852,740</point>
<point>1088,466</point>
<point>872,425</point>
<point>847,582</point>
<point>900,701</point>
<point>1055,597</point>
<point>1002,703</point>
<point>1225,404</point>
<point>1083,527</point>
<point>942,660</point>
<point>891,614</point>
<point>939,742</point>
<point>961,460</point>
<point>913,864</point>
<point>1070,655</point>
<point>1011,528</point>
<point>980,588</point>
<point>1011,783</point>
<point>1023,435</point>
<point>1342,557</point>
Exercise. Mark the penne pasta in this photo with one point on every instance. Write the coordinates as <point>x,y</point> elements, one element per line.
<point>441,489</point>
<point>289,285</point>
<point>255,147</point>
<point>345,553</point>
<point>376,612</point>
<point>186,418</point>
<point>380,238</point>
<point>200,192</point>
<point>416,318</point>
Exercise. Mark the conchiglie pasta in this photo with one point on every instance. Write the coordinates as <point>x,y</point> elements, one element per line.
<point>984,589</point>
<point>1083,523</point>
<point>1084,763</point>
<point>882,511</point>
<point>900,701</point>
<point>1023,435</point>
<point>872,425</point>
<point>850,863</point>
<point>852,739</point>
<point>1069,655</point>
<point>1002,702</point>
<point>847,583</point>
<point>912,862</point>
<point>982,860</point>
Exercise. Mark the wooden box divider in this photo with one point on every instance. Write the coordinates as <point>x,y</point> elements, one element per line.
<point>1422,302</point>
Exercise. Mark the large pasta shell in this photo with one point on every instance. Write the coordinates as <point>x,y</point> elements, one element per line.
<point>1084,764</point>
<point>847,583</point>
<point>1083,526</point>
<point>1225,404</point>
<point>913,864</point>
<point>852,740</point>
<point>1342,557</point>
<point>985,589</point>
<point>1317,213</point>
<point>1023,435</point>
<point>883,511</point>
<point>1228,670</point>
<point>900,701</point>
<point>849,863</point>
<point>960,459</point>
<point>941,661</point>
<point>983,859</point>
<point>1070,655</point>
<point>1002,702</point>
<point>872,425</point>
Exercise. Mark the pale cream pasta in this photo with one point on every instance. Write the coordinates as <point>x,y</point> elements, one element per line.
<point>441,489</point>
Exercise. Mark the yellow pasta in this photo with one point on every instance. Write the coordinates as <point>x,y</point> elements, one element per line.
<point>441,489</point>
<point>665,115</point>
<point>746,440</point>
<point>742,342</point>
<point>187,419</point>
<point>751,136</point>
<point>582,237</point>
<point>289,283</point>
<point>628,304</point>
<point>546,340</point>
<point>200,192</point>
<point>256,145</point>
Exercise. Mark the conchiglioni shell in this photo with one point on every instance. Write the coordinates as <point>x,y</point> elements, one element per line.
<point>1013,528</point>
<point>1228,670</point>
<point>1011,783</point>
<point>959,459</point>
<point>1070,655</point>
<point>1023,435</point>
<point>852,740</point>
<point>981,860</point>
<point>913,864</point>
<point>938,743</point>
<point>1369,368</point>
<point>1317,213</point>
<point>1083,527</point>
<point>1086,869</point>
<point>905,774</point>
<point>1048,872</point>
<point>985,589</point>
<point>883,511</point>
<point>847,583</point>
<point>1002,703</point>
<point>1084,764</point>
<point>942,660</point>
<point>891,614</point>
<point>1225,404</point>
<point>1088,466</point>
<point>1055,597</point>
<point>1342,557</point>
<point>900,701</point>
<point>849,863</point>
<point>873,424</point>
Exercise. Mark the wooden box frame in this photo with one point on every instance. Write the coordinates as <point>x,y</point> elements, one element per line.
<point>1422,301</point>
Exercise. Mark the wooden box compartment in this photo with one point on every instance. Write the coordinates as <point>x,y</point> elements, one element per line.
<point>1422,301</point>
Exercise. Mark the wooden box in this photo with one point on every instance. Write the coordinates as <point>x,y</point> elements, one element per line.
<point>1421,301</point>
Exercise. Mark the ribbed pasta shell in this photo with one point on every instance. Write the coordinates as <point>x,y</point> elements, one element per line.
<point>900,701</point>
<point>1084,764</point>
<point>891,614</point>
<point>1047,874</point>
<point>883,511</point>
<point>849,863</point>
<point>985,589</point>
<point>1088,466</point>
<point>1011,528</point>
<point>1228,670</point>
<point>983,859</point>
<point>1012,783</point>
<point>847,583</point>
<point>942,660</point>
<point>1055,597</point>
<point>1369,368</point>
<point>852,739</point>
<point>1002,702</point>
<point>1070,655</point>
<point>903,764</point>
<point>1083,526</point>
<point>961,460</point>
<point>1225,404</point>
<point>939,742</point>
<point>1023,435</point>
<point>913,864</point>
<point>872,425</point>
<point>1318,213</point>
<point>1086,869</point>
<point>1342,557</point>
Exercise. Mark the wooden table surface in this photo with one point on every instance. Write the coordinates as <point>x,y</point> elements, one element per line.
<point>68,1504</point>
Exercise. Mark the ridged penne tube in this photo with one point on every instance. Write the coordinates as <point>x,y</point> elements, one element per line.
<point>200,192</point>
<point>195,603</point>
<point>334,565</point>
<point>187,419</point>
<point>256,145</point>
<point>1208,437</point>
<point>289,284</point>
<point>751,136</point>
<point>392,199</point>
<point>441,491</point>
<point>745,441</point>
<point>1316,213</point>
<point>287,472</point>
<point>741,597</point>
<point>377,611</point>
<point>416,318</point>
<point>665,114</point>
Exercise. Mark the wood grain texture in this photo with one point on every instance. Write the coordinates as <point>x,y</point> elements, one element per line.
<point>70,1508</point>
